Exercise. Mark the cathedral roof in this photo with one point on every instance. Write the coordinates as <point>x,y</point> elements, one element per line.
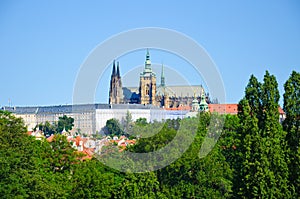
<point>175,91</point>
<point>186,91</point>
<point>164,90</point>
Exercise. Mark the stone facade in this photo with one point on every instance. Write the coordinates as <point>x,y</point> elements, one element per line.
<point>147,87</point>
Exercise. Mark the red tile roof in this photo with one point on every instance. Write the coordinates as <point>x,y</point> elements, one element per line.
<point>223,108</point>
<point>230,108</point>
<point>50,139</point>
<point>281,112</point>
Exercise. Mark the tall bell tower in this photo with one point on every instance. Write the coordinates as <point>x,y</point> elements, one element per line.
<point>147,87</point>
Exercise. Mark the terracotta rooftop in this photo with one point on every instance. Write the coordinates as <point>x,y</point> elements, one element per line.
<point>50,139</point>
<point>223,108</point>
<point>230,108</point>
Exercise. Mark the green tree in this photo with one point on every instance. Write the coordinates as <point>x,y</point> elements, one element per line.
<point>248,178</point>
<point>91,179</point>
<point>25,164</point>
<point>65,122</point>
<point>141,121</point>
<point>62,154</point>
<point>291,125</point>
<point>273,140</point>
<point>47,128</point>
<point>144,185</point>
<point>230,140</point>
<point>113,127</point>
<point>263,170</point>
<point>253,96</point>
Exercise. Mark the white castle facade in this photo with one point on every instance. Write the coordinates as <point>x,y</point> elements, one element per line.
<point>91,118</point>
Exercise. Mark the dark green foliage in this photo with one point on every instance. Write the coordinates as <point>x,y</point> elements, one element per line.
<point>91,180</point>
<point>248,171</point>
<point>190,176</point>
<point>273,140</point>
<point>253,96</point>
<point>291,125</point>
<point>141,122</point>
<point>65,122</point>
<point>113,127</point>
<point>25,164</point>
<point>48,129</point>
<point>261,166</point>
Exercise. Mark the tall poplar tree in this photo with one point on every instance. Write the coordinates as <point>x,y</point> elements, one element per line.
<point>291,125</point>
<point>273,140</point>
<point>263,172</point>
<point>249,174</point>
<point>252,94</point>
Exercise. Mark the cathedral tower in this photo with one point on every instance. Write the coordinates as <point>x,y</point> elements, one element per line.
<point>147,87</point>
<point>115,90</point>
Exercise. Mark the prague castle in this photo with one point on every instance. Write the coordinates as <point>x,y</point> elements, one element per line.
<point>148,92</point>
<point>147,101</point>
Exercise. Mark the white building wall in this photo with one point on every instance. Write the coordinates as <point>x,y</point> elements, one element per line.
<point>29,120</point>
<point>92,121</point>
<point>102,115</point>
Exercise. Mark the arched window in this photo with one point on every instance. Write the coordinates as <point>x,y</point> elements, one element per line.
<point>147,89</point>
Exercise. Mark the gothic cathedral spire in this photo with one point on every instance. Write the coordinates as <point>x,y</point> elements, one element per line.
<point>114,69</point>
<point>118,70</point>
<point>115,90</point>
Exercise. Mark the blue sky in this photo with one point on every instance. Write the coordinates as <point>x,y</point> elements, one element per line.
<point>43,43</point>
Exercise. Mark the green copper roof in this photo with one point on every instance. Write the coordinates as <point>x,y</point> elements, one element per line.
<point>148,69</point>
<point>203,103</point>
<point>147,62</point>
<point>162,80</point>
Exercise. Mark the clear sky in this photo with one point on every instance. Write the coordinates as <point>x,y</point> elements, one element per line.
<point>43,43</point>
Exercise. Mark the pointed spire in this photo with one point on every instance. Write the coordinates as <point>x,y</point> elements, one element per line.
<point>148,62</point>
<point>148,55</point>
<point>162,80</point>
<point>118,70</point>
<point>114,69</point>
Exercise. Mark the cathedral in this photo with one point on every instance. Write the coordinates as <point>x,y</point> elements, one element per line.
<point>148,93</point>
<point>115,90</point>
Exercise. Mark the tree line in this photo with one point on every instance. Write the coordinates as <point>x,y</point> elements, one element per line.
<point>254,156</point>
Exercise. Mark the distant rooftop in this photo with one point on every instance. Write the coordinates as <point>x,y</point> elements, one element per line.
<point>72,108</point>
